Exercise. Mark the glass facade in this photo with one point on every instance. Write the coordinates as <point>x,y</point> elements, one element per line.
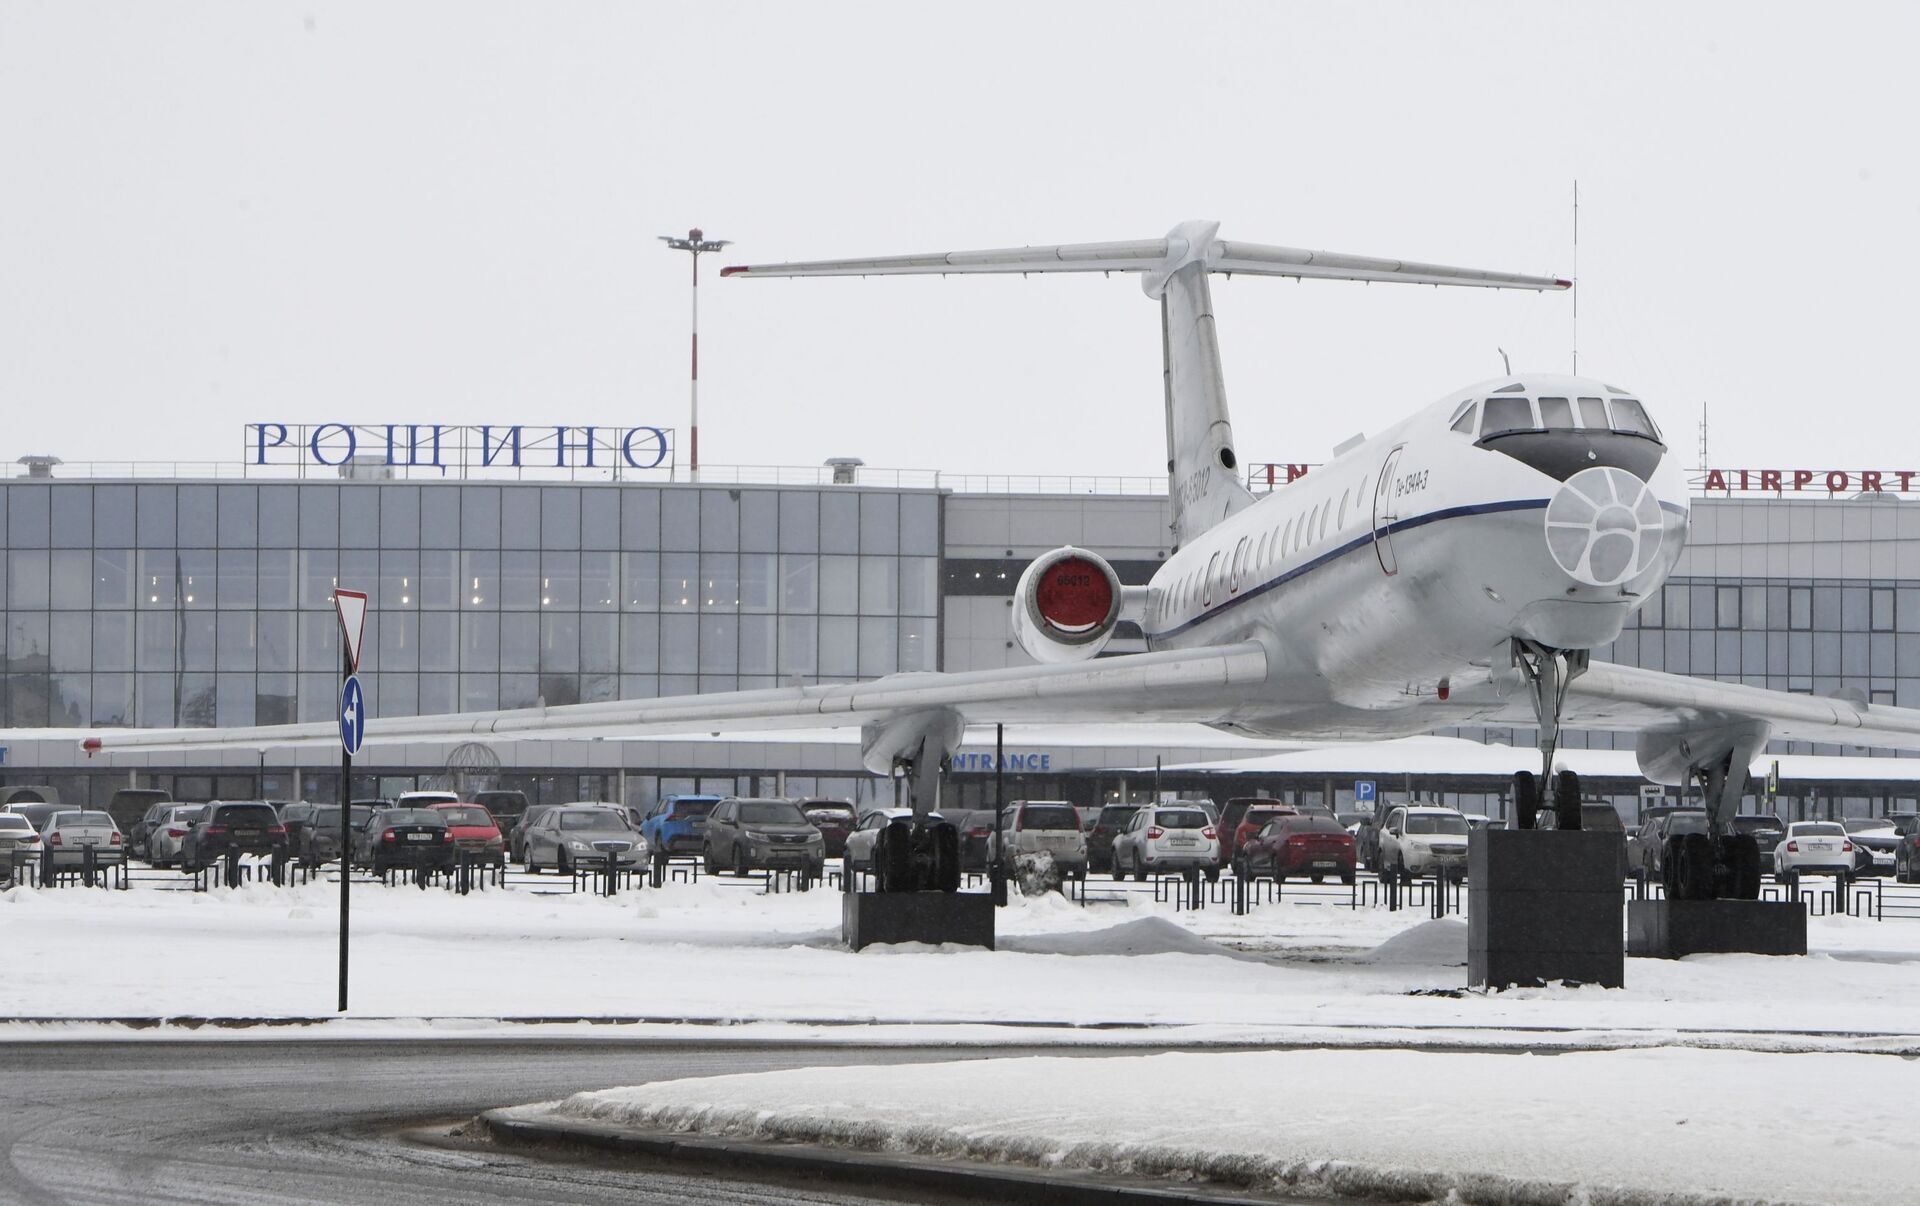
<point>181,603</point>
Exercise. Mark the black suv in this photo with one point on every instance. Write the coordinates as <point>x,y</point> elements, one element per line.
<point>1112,819</point>
<point>246,827</point>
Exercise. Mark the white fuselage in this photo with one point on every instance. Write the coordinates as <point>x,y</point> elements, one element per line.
<point>1410,559</point>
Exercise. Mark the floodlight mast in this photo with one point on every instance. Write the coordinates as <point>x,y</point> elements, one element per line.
<point>695,243</point>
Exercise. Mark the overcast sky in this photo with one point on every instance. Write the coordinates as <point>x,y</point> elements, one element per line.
<point>218,213</point>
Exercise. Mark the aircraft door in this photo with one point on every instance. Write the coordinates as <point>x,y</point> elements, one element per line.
<point>1384,516</point>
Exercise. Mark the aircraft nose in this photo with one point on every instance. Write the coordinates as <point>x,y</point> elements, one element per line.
<point>1604,526</point>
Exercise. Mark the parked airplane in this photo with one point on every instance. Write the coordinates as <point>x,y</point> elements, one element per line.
<point>1456,569</point>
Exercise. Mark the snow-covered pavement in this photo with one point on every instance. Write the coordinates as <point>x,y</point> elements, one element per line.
<point>720,950</point>
<point>1666,1126</point>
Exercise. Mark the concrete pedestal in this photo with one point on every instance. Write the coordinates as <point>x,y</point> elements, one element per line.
<point>1674,929</point>
<point>1544,905</point>
<point>932,917</point>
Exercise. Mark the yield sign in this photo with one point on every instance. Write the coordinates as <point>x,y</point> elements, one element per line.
<point>352,605</point>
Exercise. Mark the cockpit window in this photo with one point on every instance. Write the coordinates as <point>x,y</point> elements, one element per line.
<point>1556,413</point>
<point>1463,422</point>
<point>1502,415</point>
<point>1593,414</point>
<point>1630,416</point>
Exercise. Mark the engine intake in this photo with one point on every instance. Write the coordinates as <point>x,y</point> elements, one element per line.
<point>1066,606</point>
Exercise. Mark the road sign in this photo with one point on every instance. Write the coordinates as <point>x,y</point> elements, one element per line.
<point>1363,791</point>
<point>352,606</point>
<point>353,715</point>
<point>1773,779</point>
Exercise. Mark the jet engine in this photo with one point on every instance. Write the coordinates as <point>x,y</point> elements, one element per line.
<point>1066,606</point>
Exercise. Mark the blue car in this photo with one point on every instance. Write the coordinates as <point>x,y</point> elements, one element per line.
<point>677,825</point>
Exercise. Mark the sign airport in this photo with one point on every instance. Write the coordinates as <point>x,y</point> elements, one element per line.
<point>457,451</point>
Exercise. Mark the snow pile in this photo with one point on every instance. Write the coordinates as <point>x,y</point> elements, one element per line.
<point>1627,1127</point>
<point>1441,943</point>
<point>1146,936</point>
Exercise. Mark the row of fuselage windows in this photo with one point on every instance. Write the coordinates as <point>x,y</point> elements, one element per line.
<point>1254,555</point>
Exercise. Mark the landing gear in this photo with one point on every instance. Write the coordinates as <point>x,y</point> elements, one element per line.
<point>1547,671</point>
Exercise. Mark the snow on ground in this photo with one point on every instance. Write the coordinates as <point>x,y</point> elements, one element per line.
<point>721,950</point>
<point>1667,1126</point>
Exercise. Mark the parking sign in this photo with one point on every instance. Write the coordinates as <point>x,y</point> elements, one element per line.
<point>1363,791</point>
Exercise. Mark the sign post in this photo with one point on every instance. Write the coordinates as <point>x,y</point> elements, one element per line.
<point>352,608</point>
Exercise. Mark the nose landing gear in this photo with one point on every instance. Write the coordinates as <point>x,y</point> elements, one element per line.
<point>1547,671</point>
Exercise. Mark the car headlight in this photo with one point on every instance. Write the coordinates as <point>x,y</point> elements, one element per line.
<point>577,844</point>
<point>759,839</point>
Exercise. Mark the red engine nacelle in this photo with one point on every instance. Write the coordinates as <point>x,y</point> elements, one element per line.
<point>1066,606</point>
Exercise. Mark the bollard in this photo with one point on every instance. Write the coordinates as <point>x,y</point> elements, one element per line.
<point>1239,896</point>
<point>89,866</point>
<point>613,872</point>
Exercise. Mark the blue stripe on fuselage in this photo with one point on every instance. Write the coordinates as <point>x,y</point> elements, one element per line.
<point>1365,541</point>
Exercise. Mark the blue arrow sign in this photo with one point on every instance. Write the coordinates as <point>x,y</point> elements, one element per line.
<point>1363,791</point>
<point>353,715</point>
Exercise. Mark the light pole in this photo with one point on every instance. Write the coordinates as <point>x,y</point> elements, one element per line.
<point>695,242</point>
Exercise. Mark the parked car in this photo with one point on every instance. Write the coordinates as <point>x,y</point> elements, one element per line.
<point>36,812</point>
<point>1906,854</point>
<point>504,806</point>
<point>473,830</point>
<point>1234,811</point>
<point>976,828</point>
<point>69,833</point>
<point>136,833</point>
<point>1044,826</point>
<point>677,825</point>
<point>232,827</point>
<point>1315,847</point>
<point>517,840</point>
<point>17,834</point>
<point>1647,847</point>
<point>1106,826</point>
<point>400,837</point>
<point>1167,837</point>
<point>1420,840</point>
<point>1874,844</point>
<point>169,833</point>
<point>1766,831</point>
<point>834,819</point>
<point>295,814</point>
<point>566,835</point>
<point>1252,821</point>
<point>859,852</point>
<point>320,836</point>
<point>745,834</point>
<point>1814,848</point>
<point>130,805</point>
<point>425,799</point>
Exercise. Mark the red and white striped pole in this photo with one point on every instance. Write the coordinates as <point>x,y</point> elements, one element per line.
<point>695,243</point>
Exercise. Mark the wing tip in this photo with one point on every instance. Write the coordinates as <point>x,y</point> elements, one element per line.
<point>733,270</point>
<point>1561,283</point>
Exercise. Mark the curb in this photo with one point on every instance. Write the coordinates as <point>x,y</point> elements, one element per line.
<point>522,1127</point>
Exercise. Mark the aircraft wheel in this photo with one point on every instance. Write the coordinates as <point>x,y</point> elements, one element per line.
<point>1741,853</point>
<point>1526,798</point>
<point>1566,800</point>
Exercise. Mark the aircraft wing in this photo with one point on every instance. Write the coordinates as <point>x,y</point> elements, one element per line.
<point>1201,685</point>
<point>1617,697</point>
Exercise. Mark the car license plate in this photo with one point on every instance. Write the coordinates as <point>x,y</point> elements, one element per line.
<point>1326,862</point>
<point>419,837</point>
<point>246,833</point>
<point>1183,841</point>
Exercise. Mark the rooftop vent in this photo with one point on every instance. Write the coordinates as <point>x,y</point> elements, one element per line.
<point>39,466</point>
<point>367,467</point>
<point>845,469</point>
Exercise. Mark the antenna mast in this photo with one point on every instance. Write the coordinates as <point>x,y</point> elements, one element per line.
<point>1703,438</point>
<point>1576,278</point>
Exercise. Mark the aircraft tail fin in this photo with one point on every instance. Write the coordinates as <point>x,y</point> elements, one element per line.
<point>1203,474</point>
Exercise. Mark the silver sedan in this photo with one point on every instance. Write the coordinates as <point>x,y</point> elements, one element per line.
<point>582,835</point>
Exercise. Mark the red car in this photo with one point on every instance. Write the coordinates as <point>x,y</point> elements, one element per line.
<point>1315,847</point>
<point>834,819</point>
<point>1252,820</point>
<point>472,829</point>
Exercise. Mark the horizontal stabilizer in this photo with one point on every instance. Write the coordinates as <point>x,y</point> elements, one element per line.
<point>1159,255</point>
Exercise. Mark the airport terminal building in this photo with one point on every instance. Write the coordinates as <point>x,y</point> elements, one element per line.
<point>195,601</point>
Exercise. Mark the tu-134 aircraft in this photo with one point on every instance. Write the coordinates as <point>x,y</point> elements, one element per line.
<point>1457,568</point>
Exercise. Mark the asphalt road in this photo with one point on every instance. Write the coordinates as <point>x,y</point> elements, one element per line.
<point>311,1122</point>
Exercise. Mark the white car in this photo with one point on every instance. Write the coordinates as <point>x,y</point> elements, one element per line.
<point>17,834</point>
<point>1814,848</point>
<point>1043,827</point>
<point>1420,841</point>
<point>859,851</point>
<point>426,799</point>
<point>68,834</point>
<point>1164,838</point>
<point>169,830</point>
